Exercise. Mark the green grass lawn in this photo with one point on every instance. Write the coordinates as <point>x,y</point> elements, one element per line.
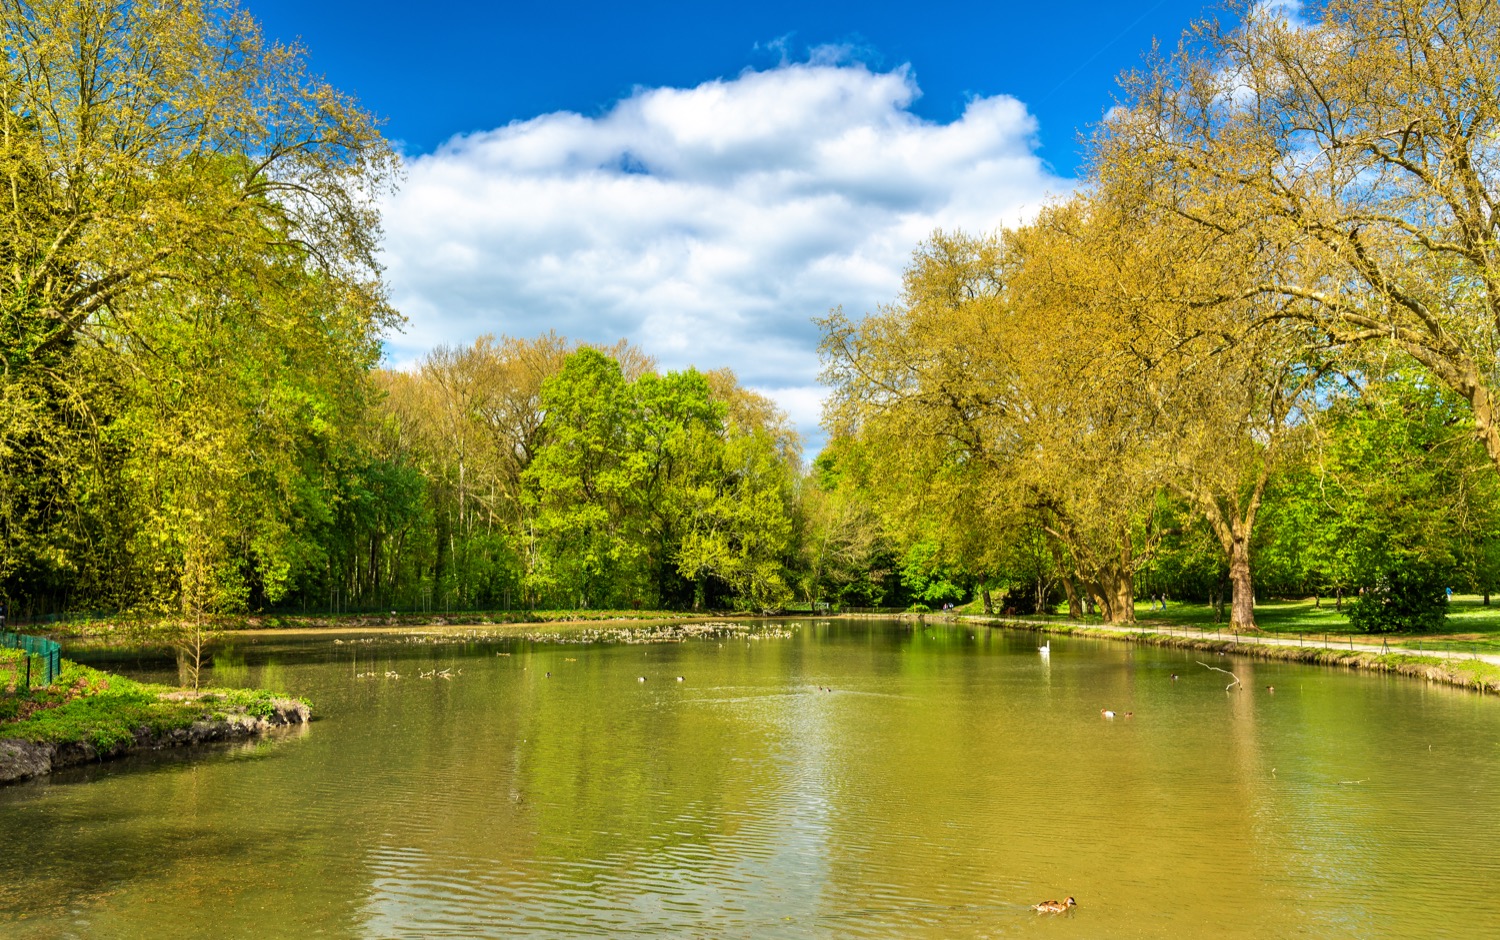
<point>103,709</point>
<point>12,669</point>
<point>1471,625</point>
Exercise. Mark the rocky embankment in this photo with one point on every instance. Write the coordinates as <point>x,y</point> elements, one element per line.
<point>20,760</point>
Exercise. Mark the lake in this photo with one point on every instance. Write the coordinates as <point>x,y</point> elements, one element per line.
<point>828,779</point>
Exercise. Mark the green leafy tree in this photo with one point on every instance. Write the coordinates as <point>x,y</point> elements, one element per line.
<point>190,303</point>
<point>846,555</point>
<point>1392,504</point>
<point>1405,596</point>
<point>927,578</point>
<point>586,485</point>
<point>739,526</point>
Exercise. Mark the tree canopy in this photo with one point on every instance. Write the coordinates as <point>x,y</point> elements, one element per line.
<point>1255,351</point>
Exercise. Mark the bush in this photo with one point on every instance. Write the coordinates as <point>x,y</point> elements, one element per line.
<point>1412,598</point>
<point>1019,600</point>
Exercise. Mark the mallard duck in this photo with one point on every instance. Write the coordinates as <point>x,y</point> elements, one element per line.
<point>1055,907</point>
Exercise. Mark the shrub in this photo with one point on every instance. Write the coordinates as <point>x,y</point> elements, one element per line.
<point>1411,597</point>
<point>1018,600</point>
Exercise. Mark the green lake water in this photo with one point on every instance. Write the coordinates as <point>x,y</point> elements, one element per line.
<point>947,779</point>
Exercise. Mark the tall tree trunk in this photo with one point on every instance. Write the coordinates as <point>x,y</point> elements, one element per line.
<point>1233,529</point>
<point>1116,592</point>
<point>1242,611</point>
<point>989,604</point>
<point>1101,600</point>
<point>1124,599</point>
<point>1075,606</point>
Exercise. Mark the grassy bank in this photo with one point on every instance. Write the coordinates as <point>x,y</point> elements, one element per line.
<point>1472,626</point>
<point>105,711</point>
<point>143,629</point>
<point>1465,673</point>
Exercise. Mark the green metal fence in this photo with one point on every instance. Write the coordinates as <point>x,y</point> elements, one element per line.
<point>43,658</point>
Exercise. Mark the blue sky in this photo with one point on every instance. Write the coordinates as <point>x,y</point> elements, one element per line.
<point>703,179</point>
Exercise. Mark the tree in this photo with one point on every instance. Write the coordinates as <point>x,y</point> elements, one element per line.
<point>1393,503</point>
<point>144,141</point>
<point>584,481</point>
<point>189,306</point>
<point>845,552</point>
<point>1004,364</point>
<point>1233,387</point>
<point>1351,158</point>
<point>738,524</point>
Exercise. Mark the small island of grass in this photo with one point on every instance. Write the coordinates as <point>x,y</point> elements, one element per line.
<point>88,715</point>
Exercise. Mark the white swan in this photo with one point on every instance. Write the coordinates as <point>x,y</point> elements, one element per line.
<point>1045,649</point>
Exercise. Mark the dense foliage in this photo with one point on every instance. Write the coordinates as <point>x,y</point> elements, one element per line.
<point>526,473</point>
<point>189,309</point>
<point>1254,354</point>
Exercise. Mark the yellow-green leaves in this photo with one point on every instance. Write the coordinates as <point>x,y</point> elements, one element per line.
<point>189,300</point>
<point>1349,160</point>
<point>146,142</point>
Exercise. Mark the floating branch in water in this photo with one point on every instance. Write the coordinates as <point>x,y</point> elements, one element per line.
<point>1225,672</point>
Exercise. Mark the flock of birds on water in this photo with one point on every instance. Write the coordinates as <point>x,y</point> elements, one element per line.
<point>433,673</point>
<point>1046,652</point>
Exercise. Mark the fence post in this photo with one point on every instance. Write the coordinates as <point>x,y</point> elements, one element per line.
<point>32,647</point>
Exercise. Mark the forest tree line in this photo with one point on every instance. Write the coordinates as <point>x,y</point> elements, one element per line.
<point>1256,351</point>
<point>1255,354</point>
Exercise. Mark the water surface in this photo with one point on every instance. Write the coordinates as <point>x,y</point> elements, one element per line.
<point>855,779</point>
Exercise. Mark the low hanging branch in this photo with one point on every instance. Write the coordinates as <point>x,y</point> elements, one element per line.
<point>1225,672</point>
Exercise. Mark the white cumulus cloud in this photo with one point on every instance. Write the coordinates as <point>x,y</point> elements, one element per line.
<point>708,225</point>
